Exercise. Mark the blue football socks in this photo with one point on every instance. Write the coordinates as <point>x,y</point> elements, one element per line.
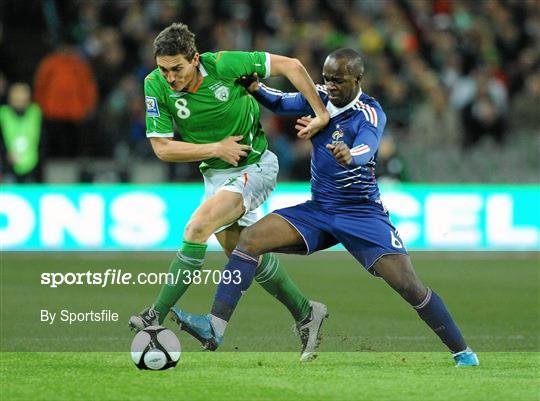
<point>434,313</point>
<point>241,268</point>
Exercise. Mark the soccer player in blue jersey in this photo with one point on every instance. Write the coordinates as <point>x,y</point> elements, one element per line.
<point>345,208</point>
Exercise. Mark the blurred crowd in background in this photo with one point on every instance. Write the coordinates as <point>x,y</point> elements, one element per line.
<point>459,81</point>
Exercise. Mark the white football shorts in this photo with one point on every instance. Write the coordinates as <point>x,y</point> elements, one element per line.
<point>255,182</point>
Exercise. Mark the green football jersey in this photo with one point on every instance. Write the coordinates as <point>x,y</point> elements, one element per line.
<point>218,108</point>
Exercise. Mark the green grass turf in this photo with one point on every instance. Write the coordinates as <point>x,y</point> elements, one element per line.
<point>493,297</point>
<point>271,376</point>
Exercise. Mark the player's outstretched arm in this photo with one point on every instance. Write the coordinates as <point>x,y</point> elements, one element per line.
<point>273,99</point>
<point>228,150</point>
<point>297,74</point>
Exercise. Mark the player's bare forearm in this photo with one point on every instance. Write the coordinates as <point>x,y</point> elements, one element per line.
<point>229,150</point>
<point>168,150</point>
<point>297,74</point>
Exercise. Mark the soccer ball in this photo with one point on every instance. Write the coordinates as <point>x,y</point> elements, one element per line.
<point>155,348</point>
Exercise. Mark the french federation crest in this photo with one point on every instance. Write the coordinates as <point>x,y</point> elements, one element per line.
<point>337,135</point>
<point>222,93</point>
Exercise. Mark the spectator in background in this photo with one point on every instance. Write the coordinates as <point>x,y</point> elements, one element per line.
<point>467,88</point>
<point>398,105</point>
<point>432,146</point>
<point>365,34</point>
<point>122,119</point>
<point>3,88</point>
<point>526,64</point>
<point>390,165</point>
<point>108,59</point>
<point>408,42</point>
<point>435,122</point>
<point>66,91</point>
<point>525,107</point>
<point>20,136</point>
<point>483,116</point>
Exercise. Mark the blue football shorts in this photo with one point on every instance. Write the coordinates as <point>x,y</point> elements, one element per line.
<point>364,229</point>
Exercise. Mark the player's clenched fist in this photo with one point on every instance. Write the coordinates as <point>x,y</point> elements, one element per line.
<point>230,151</point>
<point>341,152</point>
<point>308,126</point>
<point>250,82</point>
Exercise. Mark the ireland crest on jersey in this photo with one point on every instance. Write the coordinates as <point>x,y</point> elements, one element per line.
<point>220,92</point>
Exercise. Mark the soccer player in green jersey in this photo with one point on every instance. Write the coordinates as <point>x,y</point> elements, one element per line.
<point>198,94</point>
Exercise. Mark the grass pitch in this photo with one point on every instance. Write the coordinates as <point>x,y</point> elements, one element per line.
<point>493,297</point>
<point>271,376</point>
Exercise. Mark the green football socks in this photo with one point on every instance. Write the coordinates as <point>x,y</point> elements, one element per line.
<point>189,259</point>
<point>270,275</point>
<point>275,280</point>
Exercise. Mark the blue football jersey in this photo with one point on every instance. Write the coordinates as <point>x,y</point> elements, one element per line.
<point>360,125</point>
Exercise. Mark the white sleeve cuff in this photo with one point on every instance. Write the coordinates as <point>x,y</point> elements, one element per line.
<point>267,65</point>
<point>159,134</point>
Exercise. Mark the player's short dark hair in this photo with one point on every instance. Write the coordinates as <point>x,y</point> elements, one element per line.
<point>355,63</point>
<point>175,39</point>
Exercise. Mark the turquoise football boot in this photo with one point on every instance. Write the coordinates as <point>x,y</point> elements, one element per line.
<point>466,358</point>
<point>198,326</point>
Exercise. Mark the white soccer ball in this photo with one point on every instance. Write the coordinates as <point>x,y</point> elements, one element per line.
<point>155,348</point>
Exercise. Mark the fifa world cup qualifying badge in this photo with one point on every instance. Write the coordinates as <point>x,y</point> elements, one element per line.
<point>152,109</point>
